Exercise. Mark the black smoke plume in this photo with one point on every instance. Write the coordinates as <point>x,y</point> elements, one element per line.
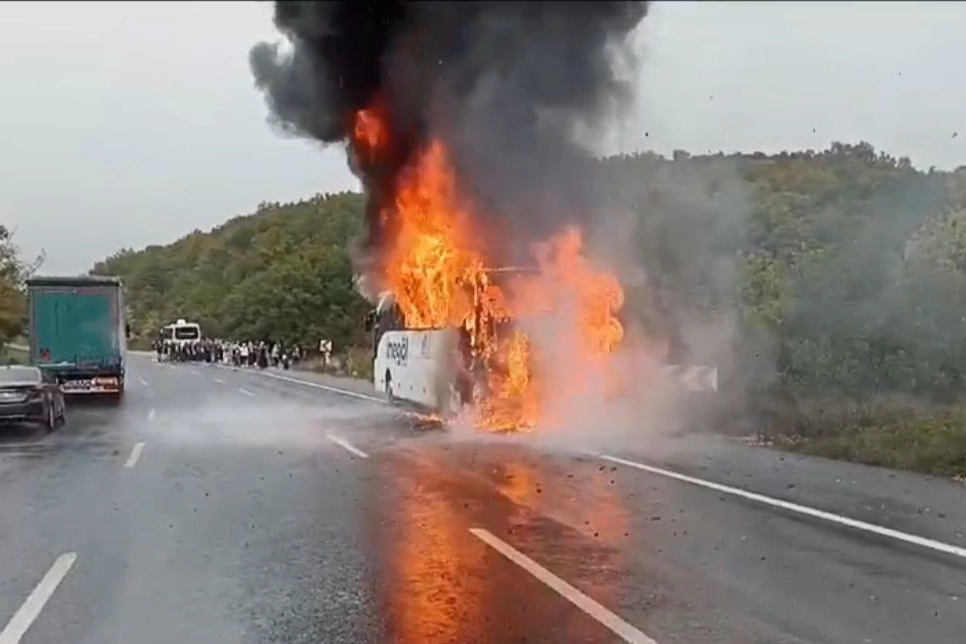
<point>505,85</point>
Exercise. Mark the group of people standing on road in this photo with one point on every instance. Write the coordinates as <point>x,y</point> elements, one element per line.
<point>237,354</point>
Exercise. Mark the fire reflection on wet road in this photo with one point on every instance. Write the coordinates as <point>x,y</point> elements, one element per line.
<point>439,583</point>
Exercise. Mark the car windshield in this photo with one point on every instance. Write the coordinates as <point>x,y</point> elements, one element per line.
<point>19,374</point>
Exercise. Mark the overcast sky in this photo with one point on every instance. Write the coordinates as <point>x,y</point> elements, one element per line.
<point>127,124</point>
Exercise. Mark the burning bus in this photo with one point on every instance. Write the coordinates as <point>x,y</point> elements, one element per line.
<point>462,125</point>
<point>445,370</point>
<point>492,346</point>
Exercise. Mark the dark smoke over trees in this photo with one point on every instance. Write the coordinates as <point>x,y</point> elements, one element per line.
<point>505,86</point>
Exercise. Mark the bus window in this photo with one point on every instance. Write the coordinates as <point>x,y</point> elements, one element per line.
<point>188,332</point>
<point>389,319</point>
<point>385,317</point>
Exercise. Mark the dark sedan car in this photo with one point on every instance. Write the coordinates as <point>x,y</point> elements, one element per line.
<point>27,395</point>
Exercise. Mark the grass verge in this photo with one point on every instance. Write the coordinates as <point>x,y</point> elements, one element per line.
<point>12,355</point>
<point>355,362</point>
<point>934,446</point>
<point>888,432</point>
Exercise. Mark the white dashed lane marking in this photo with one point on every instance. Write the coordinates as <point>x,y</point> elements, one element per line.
<point>612,622</point>
<point>135,456</point>
<point>15,629</point>
<point>346,445</point>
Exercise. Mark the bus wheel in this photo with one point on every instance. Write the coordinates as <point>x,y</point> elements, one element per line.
<point>389,393</point>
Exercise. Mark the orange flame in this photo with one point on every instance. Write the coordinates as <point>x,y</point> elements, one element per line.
<point>370,132</point>
<point>437,270</point>
<point>431,256</point>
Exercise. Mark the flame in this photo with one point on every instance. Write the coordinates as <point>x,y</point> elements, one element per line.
<point>436,267</point>
<point>370,133</point>
<point>431,258</point>
<point>596,295</point>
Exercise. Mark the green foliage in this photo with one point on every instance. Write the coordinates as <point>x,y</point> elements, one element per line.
<point>933,443</point>
<point>283,273</point>
<point>13,272</point>
<point>13,355</point>
<point>848,264</point>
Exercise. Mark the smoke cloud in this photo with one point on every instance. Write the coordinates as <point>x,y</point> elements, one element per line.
<point>505,85</point>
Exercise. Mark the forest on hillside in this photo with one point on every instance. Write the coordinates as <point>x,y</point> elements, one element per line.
<point>283,272</point>
<point>840,275</point>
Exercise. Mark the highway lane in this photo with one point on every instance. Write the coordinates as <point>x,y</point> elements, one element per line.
<point>261,510</point>
<point>782,576</point>
<point>241,521</point>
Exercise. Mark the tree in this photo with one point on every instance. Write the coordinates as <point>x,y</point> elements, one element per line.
<point>13,272</point>
<point>282,273</point>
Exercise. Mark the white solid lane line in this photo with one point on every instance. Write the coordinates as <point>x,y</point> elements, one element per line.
<point>135,456</point>
<point>923,542</point>
<point>245,391</point>
<point>316,385</point>
<point>23,618</point>
<point>143,381</point>
<point>219,381</point>
<point>612,622</point>
<point>346,445</point>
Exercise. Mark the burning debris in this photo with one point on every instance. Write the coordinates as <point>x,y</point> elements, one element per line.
<point>460,120</point>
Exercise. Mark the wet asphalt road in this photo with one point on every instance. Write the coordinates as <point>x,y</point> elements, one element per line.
<point>261,510</point>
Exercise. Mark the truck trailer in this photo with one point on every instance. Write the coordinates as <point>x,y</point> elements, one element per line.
<point>78,332</point>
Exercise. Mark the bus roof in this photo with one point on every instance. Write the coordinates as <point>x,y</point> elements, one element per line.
<point>513,269</point>
<point>387,299</point>
<point>76,280</point>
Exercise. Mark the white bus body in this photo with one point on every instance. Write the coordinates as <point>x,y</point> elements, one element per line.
<point>415,366</point>
<point>181,332</point>
<point>429,368</point>
<point>418,367</point>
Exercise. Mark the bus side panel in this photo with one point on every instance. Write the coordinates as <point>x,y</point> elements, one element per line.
<point>411,360</point>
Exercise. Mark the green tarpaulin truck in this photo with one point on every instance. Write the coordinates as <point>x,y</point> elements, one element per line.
<point>78,331</point>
